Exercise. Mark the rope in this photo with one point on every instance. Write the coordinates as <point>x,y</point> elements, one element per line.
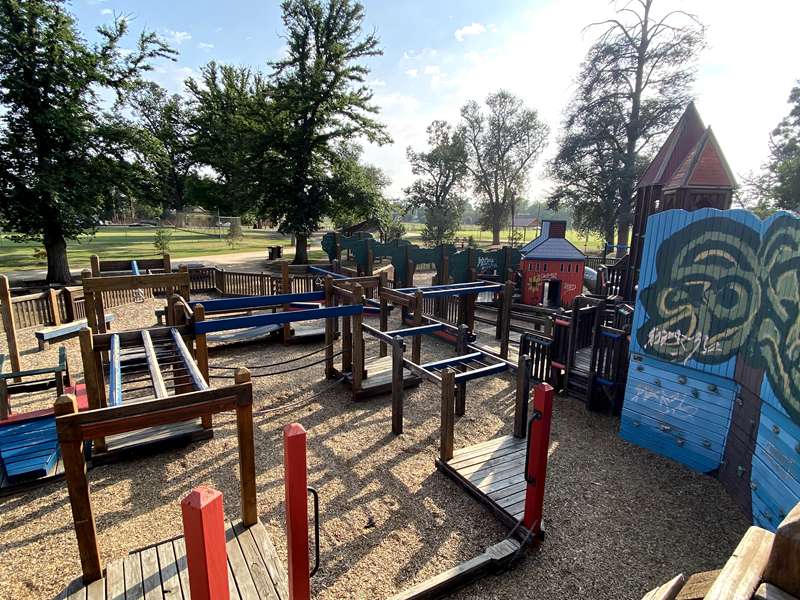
<point>320,361</point>
<point>301,401</point>
<point>275,364</point>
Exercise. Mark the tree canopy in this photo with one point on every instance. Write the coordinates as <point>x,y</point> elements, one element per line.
<point>502,145</point>
<point>440,175</point>
<point>61,155</point>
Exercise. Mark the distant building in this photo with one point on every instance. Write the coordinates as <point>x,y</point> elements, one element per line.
<point>552,267</point>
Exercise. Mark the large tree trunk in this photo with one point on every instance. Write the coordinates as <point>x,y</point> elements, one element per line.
<point>496,228</point>
<point>623,238</point>
<point>301,250</point>
<point>57,261</point>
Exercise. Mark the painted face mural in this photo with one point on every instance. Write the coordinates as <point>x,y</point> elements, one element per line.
<point>721,290</point>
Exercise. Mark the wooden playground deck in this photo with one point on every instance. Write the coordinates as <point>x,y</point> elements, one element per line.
<point>379,378</point>
<point>494,473</point>
<point>160,571</point>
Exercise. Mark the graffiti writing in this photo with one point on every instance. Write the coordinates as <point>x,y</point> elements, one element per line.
<point>486,265</point>
<point>678,344</point>
<point>669,402</point>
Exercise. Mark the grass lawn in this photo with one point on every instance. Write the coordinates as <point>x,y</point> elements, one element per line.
<point>135,242</point>
<point>592,245</point>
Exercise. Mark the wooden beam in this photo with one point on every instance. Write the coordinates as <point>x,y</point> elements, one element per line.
<point>523,393</point>
<point>446,433</point>
<point>742,573</point>
<point>358,341</point>
<point>398,392</point>
<point>132,282</point>
<point>159,389</point>
<point>194,372</point>
<point>783,567</point>
<point>200,342</point>
<point>247,450</point>
<point>78,488</point>
<point>7,308</point>
<point>416,345</point>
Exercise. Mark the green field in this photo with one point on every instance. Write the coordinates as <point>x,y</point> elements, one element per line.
<point>137,242</point>
<point>592,245</point>
<point>134,242</point>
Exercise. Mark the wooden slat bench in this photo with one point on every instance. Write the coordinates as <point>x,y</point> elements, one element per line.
<point>59,332</point>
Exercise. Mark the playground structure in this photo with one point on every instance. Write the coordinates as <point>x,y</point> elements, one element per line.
<point>763,567</point>
<point>130,367</point>
<point>249,559</point>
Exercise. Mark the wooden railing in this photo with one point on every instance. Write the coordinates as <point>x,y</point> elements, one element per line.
<point>608,368</point>
<point>538,348</point>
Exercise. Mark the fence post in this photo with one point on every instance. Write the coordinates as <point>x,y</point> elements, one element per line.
<point>52,300</point>
<point>536,459</point>
<point>204,533</point>
<point>523,393</point>
<point>448,416</point>
<point>286,288</point>
<point>9,325</point>
<point>296,495</point>
<point>504,323</point>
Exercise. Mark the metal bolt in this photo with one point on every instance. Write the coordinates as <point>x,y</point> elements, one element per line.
<point>739,401</point>
<point>706,444</point>
<point>657,382</point>
<point>640,368</point>
<point>753,486</point>
<point>681,442</point>
<point>712,387</point>
<point>776,429</point>
<point>695,393</point>
<point>740,470</point>
<point>682,380</point>
<point>666,428</point>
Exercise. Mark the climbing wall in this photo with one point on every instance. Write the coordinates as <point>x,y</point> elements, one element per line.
<point>714,379</point>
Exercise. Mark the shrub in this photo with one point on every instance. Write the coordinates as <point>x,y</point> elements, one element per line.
<point>162,240</point>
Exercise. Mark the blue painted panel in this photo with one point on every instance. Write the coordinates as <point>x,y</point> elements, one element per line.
<point>245,302</point>
<point>313,314</point>
<point>650,440</point>
<point>712,442</point>
<point>30,448</point>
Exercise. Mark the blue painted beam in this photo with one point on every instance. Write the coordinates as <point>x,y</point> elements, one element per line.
<point>245,302</point>
<point>451,291</point>
<point>114,372</point>
<point>134,267</point>
<point>326,272</point>
<point>448,362</point>
<point>443,286</point>
<point>411,331</point>
<point>482,372</point>
<point>280,318</point>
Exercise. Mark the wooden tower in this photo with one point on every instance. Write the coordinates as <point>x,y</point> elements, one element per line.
<point>688,172</point>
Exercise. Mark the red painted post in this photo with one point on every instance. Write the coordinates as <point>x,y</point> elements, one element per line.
<point>295,484</point>
<point>204,533</point>
<point>536,460</point>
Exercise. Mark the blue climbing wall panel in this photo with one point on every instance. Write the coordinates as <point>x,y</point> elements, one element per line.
<point>714,379</point>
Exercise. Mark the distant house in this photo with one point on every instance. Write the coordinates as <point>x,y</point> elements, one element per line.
<point>525,222</point>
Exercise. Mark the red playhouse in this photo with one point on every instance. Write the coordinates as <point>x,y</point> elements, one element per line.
<point>552,268</point>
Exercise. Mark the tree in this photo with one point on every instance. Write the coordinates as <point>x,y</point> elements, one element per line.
<point>165,119</point>
<point>502,146</point>
<point>356,189</point>
<point>440,171</point>
<point>231,118</point>
<point>639,71</point>
<point>61,156</point>
<point>783,166</point>
<point>320,99</point>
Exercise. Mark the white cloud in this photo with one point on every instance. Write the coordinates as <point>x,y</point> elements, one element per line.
<point>471,29</point>
<point>432,70</point>
<point>412,73</point>
<point>177,37</point>
<point>376,82</point>
<point>106,11</point>
<point>205,47</point>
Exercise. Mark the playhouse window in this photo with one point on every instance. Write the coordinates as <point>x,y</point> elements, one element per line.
<point>545,266</point>
<point>562,267</point>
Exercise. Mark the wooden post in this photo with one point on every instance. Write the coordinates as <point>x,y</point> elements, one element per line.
<point>296,496</point>
<point>167,264</point>
<point>9,325</point>
<point>92,380</point>
<point>523,395</point>
<point>358,340</point>
<point>247,453</point>
<point>204,533</point>
<point>469,301</point>
<point>94,263</point>
<point>416,345</point>
<point>783,566</point>
<point>78,488</point>
<point>330,328</point>
<point>398,391</point>
<point>384,321</point>
<point>69,304</point>
<point>286,288</point>
<point>448,416</point>
<point>536,467</point>
<point>504,322</point>
<point>5,401</point>
<point>185,289</point>
<point>52,298</point>
<point>370,266</point>
<point>461,389</point>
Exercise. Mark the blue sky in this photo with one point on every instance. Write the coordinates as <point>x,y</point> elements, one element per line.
<point>440,53</point>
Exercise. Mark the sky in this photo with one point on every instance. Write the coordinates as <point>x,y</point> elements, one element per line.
<point>438,54</point>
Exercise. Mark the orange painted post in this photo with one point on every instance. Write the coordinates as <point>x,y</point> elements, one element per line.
<point>206,555</point>
<point>536,459</point>
<point>295,484</point>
